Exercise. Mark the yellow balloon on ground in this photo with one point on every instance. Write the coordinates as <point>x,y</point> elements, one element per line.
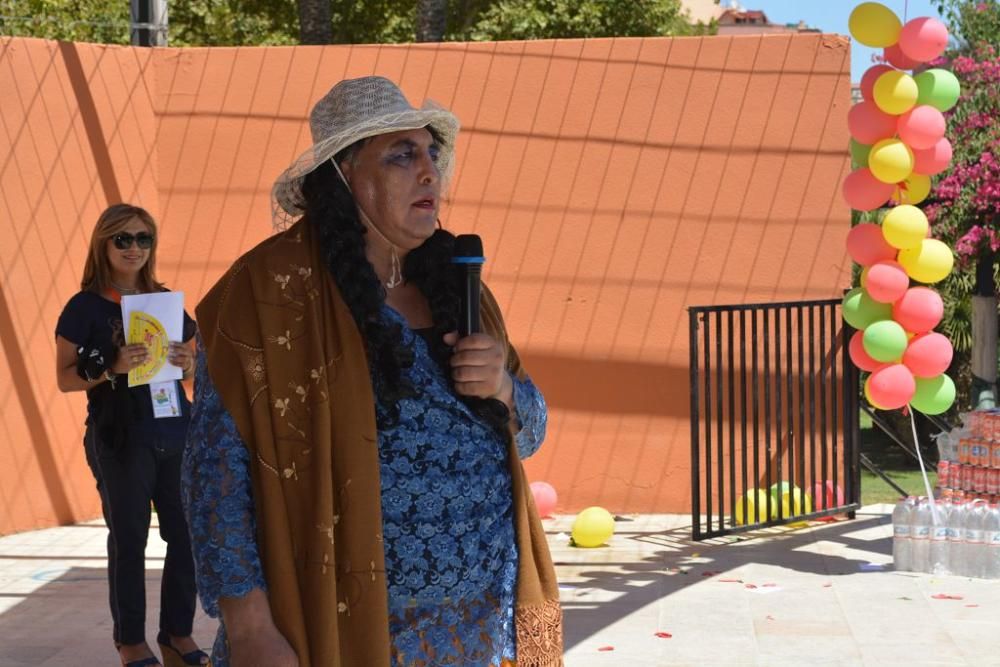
<point>874,25</point>
<point>895,92</point>
<point>891,161</point>
<point>905,226</point>
<point>913,190</point>
<point>928,262</point>
<point>593,527</point>
<point>756,507</point>
<point>793,502</point>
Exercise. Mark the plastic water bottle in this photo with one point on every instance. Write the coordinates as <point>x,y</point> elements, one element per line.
<point>940,544</point>
<point>956,525</point>
<point>902,545</point>
<point>920,532</point>
<point>991,538</point>
<point>972,538</point>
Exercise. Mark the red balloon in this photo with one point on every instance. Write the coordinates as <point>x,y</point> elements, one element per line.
<point>826,496</point>
<point>921,127</point>
<point>864,192</point>
<point>892,386</point>
<point>887,281</point>
<point>923,39</point>
<point>919,310</point>
<point>869,78</point>
<point>861,358</point>
<point>545,498</point>
<point>868,124</point>
<point>866,245</point>
<point>895,57</point>
<point>933,160</point>
<point>928,355</point>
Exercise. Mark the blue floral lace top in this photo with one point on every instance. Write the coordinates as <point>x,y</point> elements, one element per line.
<point>450,547</point>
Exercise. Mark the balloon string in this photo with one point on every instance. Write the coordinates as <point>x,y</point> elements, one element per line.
<point>906,9</point>
<point>923,470</point>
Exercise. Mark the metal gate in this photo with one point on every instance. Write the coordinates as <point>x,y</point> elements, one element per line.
<point>774,416</point>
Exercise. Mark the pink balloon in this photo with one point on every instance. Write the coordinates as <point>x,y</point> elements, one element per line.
<point>921,127</point>
<point>860,358</point>
<point>923,38</point>
<point>866,245</point>
<point>868,124</point>
<point>895,56</point>
<point>887,281</point>
<point>919,310</point>
<point>892,386</point>
<point>933,160</point>
<point>869,78</point>
<point>826,496</point>
<point>545,498</point>
<point>864,192</point>
<point>928,355</point>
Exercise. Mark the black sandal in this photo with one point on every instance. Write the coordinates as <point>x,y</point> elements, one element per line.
<point>174,658</point>
<point>151,661</point>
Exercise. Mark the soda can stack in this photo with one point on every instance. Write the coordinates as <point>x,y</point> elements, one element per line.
<point>974,474</point>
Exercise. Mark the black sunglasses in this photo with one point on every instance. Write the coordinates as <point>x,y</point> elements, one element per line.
<point>124,240</point>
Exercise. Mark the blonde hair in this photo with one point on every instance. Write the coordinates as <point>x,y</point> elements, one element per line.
<point>97,270</point>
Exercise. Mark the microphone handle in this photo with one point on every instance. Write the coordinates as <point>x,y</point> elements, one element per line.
<point>469,322</point>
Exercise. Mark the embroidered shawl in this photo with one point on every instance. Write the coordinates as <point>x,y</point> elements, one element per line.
<point>290,367</point>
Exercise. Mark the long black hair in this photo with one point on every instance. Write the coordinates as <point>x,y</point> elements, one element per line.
<point>332,212</point>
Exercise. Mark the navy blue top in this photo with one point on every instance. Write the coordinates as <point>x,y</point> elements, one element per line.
<point>92,321</point>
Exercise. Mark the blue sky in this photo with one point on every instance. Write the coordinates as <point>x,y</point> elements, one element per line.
<point>831,16</point>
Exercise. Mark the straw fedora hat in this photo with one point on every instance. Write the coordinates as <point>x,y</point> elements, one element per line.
<point>356,109</point>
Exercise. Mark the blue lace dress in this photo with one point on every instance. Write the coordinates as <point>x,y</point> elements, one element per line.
<point>450,547</point>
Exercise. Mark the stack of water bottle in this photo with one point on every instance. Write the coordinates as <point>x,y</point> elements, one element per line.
<point>960,534</point>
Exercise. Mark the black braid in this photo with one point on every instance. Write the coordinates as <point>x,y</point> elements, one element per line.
<point>332,213</point>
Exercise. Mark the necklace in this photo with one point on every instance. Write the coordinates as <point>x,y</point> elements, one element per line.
<point>124,290</point>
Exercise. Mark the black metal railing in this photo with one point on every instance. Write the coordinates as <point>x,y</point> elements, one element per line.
<point>774,415</point>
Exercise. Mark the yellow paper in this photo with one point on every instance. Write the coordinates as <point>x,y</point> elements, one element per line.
<point>146,329</point>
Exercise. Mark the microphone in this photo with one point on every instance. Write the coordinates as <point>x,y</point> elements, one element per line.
<point>467,258</point>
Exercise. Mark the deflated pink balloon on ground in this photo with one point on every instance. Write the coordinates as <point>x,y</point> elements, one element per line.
<point>861,359</point>
<point>866,245</point>
<point>868,124</point>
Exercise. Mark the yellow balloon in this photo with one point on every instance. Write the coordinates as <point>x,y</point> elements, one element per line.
<point>796,502</point>
<point>895,92</point>
<point>864,277</point>
<point>928,262</point>
<point>874,25</point>
<point>905,226</point>
<point>593,527</point>
<point>756,507</point>
<point>891,161</point>
<point>913,190</point>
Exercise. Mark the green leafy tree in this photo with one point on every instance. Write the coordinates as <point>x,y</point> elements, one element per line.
<point>102,21</point>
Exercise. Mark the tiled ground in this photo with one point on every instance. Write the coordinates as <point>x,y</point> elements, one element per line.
<point>818,596</point>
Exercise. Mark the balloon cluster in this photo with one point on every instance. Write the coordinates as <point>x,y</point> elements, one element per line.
<point>897,144</point>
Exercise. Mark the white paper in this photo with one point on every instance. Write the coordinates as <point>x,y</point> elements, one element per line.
<point>155,320</point>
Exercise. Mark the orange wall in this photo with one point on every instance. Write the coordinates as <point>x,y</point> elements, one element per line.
<point>614,182</point>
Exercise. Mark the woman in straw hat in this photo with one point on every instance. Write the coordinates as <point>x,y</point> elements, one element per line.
<point>353,476</point>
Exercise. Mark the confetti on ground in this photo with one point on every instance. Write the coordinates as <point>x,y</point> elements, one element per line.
<point>664,635</point>
<point>770,618</point>
<point>750,586</point>
<point>972,605</point>
<point>827,585</point>
<point>905,598</point>
<point>731,581</point>
<point>709,573</point>
<point>871,567</point>
<point>606,648</point>
<point>945,596</point>
<point>769,585</point>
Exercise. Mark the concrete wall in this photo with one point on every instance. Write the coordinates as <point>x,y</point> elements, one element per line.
<point>614,182</point>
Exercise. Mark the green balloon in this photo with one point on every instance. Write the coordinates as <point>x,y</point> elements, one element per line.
<point>884,341</point>
<point>934,395</point>
<point>859,154</point>
<point>860,310</point>
<point>938,88</point>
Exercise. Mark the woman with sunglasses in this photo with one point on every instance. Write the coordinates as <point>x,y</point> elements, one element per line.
<point>135,457</point>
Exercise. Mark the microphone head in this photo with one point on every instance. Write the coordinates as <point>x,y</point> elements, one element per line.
<point>468,250</point>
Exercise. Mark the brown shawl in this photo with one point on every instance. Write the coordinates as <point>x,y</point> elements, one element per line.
<point>290,366</point>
